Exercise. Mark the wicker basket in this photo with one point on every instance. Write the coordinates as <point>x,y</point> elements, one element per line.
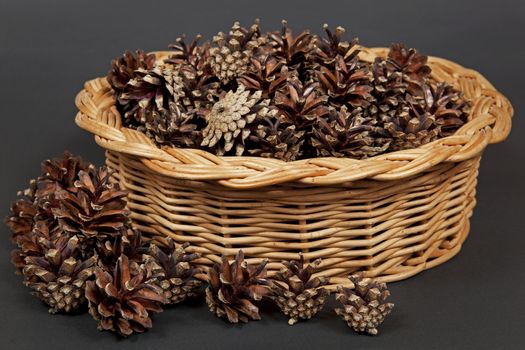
<point>390,216</point>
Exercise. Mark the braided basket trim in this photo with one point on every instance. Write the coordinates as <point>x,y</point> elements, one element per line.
<point>489,122</point>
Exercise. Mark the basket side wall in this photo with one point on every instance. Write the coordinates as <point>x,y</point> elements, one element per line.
<point>390,230</point>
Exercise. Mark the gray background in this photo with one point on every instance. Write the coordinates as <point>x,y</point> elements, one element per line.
<point>49,48</point>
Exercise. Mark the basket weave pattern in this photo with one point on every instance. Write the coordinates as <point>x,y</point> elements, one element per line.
<point>390,216</point>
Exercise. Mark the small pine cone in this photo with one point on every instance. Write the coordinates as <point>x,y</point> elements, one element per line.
<point>231,55</point>
<point>123,69</point>
<point>58,276</point>
<point>174,271</point>
<point>193,54</point>
<point>20,219</point>
<point>349,134</point>
<point>294,50</point>
<point>364,307</point>
<point>150,90</point>
<point>409,62</point>
<point>196,89</point>
<point>172,127</point>
<point>229,120</point>
<point>298,295</point>
<point>346,82</point>
<point>123,299</point>
<point>233,287</point>
<point>272,139</point>
<point>300,104</point>
<point>327,49</point>
<point>267,73</point>
<point>132,244</point>
<point>95,212</point>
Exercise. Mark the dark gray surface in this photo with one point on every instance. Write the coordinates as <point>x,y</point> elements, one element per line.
<point>49,48</point>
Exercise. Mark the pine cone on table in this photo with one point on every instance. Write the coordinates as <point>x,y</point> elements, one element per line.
<point>95,212</point>
<point>131,243</point>
<point>364,308</point>
<point>58,274</point>
<point>123,299</point>
<point>174,271</point>
<point>233,287</point>
<point>297,294</point>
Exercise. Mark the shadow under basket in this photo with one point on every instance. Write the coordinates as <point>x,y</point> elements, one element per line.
<point>390,216</point>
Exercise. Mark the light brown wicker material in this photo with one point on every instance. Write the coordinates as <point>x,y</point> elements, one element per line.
<point>390,216</point>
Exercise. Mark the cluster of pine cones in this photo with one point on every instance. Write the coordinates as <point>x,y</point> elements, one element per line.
<point>75,242</point>
<point>284,96</point>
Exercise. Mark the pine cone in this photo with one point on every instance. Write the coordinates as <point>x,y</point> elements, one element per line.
<point>197,89</point>
<point>20,219</point>
<point>409,62</point>
<point>132,244</point>
<point>32,214</point>
<point>123,300</point>
<point>295,51</point>
<point>300,105</point>
<point>58,275</point>
<point>175,272</point>
<point>231,55</point>
<point>271,139</point>
<point>123,69</point>
<point>172,127</point>
<point>349,134</point>
<point>193,54</point>
<point>234,287</point>
<point>297,294</point>
<point>364,308</point>
<point>348,82</point>
<point>228,121</point>
<point>267,74</point>
<point>95,212</point>
<point>329,48</point>
<point>150,90</point>
<point>29,244</point>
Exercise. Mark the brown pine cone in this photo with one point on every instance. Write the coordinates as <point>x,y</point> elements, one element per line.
<point>266,73</point>
<point>272,139</point>
<point>295,51</point>
<point>174,271</point>
<point>123,69</point>
<point>123,299</point>
<point>297,294</point>
<point>95,212</point>
<point>364,307</point>
<point>233,287</point>
<point>349,134</point>
<point>58,275</point>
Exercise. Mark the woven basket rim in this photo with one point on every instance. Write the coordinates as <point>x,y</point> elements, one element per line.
<point>489,122</point>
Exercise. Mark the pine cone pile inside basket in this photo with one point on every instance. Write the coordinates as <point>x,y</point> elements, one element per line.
<point>285,95</point>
